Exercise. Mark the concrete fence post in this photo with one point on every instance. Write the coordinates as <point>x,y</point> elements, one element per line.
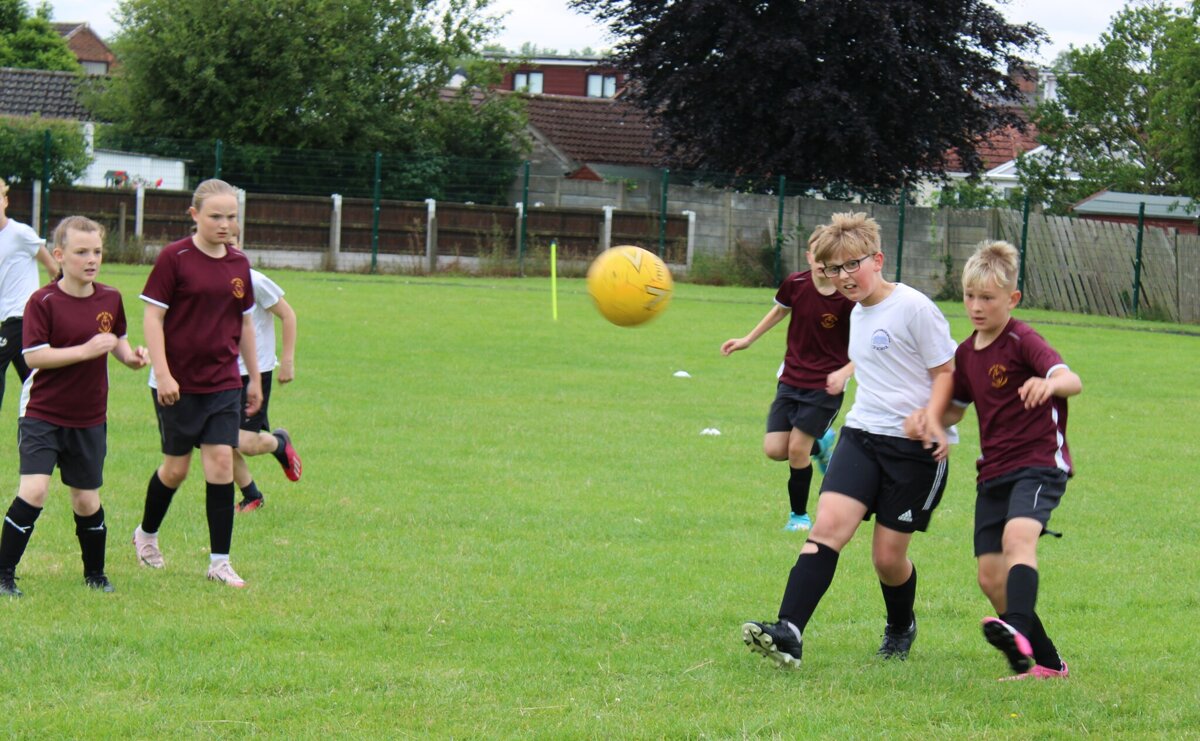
<point>431,235</point>
<point>335,231</point>
<point>691,237</point>
<point>241,202</point>
<point>606,229</point>
<point>139,211</point>
<point>35,207</point>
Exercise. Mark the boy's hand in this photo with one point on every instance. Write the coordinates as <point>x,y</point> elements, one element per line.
<point>914,425</point>
<point>935,437</point>
<point>732,346</point>
<point>287,371</point>
<point>139,358</point>
<point>100,344</point>
<point>835,382</point>
<point>253,396</point>
<point>1035,392</point>
<point>168,391</point>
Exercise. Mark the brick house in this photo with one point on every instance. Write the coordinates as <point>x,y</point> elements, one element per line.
<point>588,77</point>
<point>93,54</point>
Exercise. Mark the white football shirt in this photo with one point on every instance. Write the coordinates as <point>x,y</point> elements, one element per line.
<point>266,294</point>
<point>19,245</point>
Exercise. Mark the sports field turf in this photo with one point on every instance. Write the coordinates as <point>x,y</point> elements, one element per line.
<point>510,527</point>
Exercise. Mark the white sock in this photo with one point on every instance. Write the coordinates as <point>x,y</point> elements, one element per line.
<point>794,629</point>
<point>214,557</point>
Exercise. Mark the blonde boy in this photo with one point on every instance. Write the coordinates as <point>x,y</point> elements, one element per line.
<point>1019,385</point>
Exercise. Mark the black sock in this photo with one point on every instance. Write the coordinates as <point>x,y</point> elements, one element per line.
<point>250,491</point>
<point>810,577</point>
<point>798,485</point>
<point>1021,597</point>
<point>219,506</point>
<point>158,501</point>
<point>899,601</point>
<point>279,452</point>
<point>1044,651</point>
<point>92,536</point>
<point>18,527</point>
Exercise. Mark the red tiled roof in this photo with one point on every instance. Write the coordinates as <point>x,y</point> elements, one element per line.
<point>603,130</point>
<point>1001,146</point>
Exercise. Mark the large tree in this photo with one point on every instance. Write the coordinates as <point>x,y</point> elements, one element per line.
<point>29,41</point>
<point>1127,112</point>
<point>867,92</point>
<point>302,73</point>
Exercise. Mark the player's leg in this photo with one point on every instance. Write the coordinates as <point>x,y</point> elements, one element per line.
<point>217,441</point>
<point>82,465</point>
<point>10,351</point>
<point>1018,631</point>
<point>19,522</point>
<point>911,487</point>
<point>799,444</point>
<point>838,517</point>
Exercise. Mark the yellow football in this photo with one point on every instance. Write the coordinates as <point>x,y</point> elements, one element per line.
<point>630,285</point>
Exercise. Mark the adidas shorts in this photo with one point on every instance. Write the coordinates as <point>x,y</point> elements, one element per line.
<point>78,452</point>
<point>1026,492</point>
<point>896,478</point>
<point>811,411</point>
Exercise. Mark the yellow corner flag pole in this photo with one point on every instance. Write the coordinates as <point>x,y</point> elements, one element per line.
<point>554,278</point>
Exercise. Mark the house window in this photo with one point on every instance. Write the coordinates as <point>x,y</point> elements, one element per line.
<point>601,86</point>
<point>528,82</point>
<point>95,68</point>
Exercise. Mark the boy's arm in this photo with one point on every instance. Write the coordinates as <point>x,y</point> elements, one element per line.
<point>135,358</point>
<point>773,317</point>
<point>57,357</point>
<point>940,412</point>
<point>47,261</point>
<point>287,356</point>
<point>1063,382</point>
<point>246,345</point>
<point>835,383</point>
<point>156,343</point>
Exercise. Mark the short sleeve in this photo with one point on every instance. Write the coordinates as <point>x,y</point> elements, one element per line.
<point>962,390</point>
<point>266,291</point>
<point>28,239</point>
<point>120,326</point>
<point>35,328</point>
<point>160,285</point>
<point>931,332</point>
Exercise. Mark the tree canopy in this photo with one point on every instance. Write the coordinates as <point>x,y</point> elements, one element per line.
<point>29,41</point>
<point>1127,112</point>
<point>353,76</point>
<point>871,93</point>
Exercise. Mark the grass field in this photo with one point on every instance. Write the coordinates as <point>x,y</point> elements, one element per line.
<point>510,527</point>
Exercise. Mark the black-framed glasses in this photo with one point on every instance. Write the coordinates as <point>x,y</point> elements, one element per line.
<point>848,267</point>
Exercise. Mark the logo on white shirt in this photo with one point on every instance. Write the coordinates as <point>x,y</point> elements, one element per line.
<point>880,339</point>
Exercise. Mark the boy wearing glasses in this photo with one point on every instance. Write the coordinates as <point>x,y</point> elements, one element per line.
<point>1019,385</point>
<point>812,379</point>
<point>901,349</point>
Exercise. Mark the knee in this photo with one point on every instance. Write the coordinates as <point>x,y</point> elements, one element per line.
<point>800,456</point>
<point>775,452</point>
<point>173,473</point>
<point>890,563</point>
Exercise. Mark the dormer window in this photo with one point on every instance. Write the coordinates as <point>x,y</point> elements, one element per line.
<point>527,82</point>
<point>601,86</point>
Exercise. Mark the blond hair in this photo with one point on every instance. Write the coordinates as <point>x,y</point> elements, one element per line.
<point>994,263</point>
<point>77,223</point>
<point>3,188</point>
<point>847,234</point>
<point>211,187</point>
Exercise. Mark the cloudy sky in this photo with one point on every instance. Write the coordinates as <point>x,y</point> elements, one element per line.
<point>550,24</point>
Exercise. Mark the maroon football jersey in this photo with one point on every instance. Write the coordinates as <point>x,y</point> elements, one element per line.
<point>205,298</point>
<point>74,395</point>
<point>818,332</point>
<point>1011,436</point>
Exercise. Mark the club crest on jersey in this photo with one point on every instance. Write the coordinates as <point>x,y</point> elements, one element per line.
<point>829,321</point>
<point>104,321</point>
<point>880,339</point>
<point>999,375</point>
<point>239,288</point>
